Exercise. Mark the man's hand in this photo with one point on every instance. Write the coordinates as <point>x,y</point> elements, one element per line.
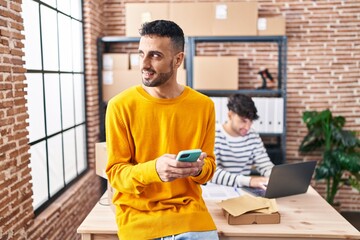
<point>259,182</point>
<point>169,169</point>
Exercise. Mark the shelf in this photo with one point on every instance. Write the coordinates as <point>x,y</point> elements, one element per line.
<point>118,39</point>
<point>250,92</point>
<point>275,39</point>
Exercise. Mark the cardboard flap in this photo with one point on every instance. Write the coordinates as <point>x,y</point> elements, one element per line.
<point>272,206</point>
<point>246,203</point>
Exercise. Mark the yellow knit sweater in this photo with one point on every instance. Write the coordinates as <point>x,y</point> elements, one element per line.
<point>140,128</point>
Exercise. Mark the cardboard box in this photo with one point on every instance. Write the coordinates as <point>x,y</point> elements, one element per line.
<point>138,13</point>
<point>115,61</point>
<point>110,194</point>
<point>134,61</point>
<point>100,159</point>
<point>252,218</point>
<point>248,209</point>
<point>194,18</point>
<point>100,167</point>
<point>118,80</point>
<point>271,26</point>
<point>181,74</point>
<point>234,18</point>
<point>216,73</point>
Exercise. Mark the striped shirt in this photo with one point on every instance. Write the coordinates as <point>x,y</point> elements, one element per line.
<point>236,156</point>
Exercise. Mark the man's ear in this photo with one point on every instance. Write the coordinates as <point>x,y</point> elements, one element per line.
<point>230,114</point>
<point>179,58</point>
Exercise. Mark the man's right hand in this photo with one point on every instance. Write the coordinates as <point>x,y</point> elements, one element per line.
<point>259,182</point>
<point>169,169</point>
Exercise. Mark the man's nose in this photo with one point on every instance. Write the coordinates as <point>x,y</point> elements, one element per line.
<point>248,126</point>
<point>145,62</point>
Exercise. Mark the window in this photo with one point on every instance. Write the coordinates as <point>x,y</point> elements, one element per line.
<point>55,95</point>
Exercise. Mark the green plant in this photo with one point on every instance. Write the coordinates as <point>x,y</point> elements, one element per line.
<point>340,148</point>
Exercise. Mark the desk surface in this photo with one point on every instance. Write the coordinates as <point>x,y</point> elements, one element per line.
<point>303,216</point>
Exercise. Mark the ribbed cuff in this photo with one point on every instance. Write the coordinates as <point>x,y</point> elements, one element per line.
<point>242,180</point>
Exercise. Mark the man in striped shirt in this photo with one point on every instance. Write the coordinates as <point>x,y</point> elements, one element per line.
<point>238,148</point>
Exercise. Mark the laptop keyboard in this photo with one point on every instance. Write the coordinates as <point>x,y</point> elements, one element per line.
<point>256,191</point>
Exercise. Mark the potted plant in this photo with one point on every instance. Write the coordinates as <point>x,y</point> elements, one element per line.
<point>340,148</point>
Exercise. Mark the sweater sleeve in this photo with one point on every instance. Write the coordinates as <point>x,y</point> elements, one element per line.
<point>261,159</point>
<point>208,146</point>
<point>226,178</point>
<point>133,177</point>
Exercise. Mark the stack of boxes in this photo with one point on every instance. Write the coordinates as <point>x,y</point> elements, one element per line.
<point>100,167</point>
<point>206,18</point>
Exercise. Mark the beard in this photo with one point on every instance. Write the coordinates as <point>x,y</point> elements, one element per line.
<point>160,79</point>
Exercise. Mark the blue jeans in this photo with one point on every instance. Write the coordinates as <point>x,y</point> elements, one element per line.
<point>208,235</point>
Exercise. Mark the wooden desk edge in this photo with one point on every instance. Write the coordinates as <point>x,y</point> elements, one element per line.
<point>87,228</point>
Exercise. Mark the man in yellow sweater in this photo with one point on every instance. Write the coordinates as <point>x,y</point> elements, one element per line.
<point>156,196</point>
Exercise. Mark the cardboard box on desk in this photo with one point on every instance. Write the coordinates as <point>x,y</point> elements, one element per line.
<point>100,167</point>
<point>250,210</point>
<point>100,159</point>
<point>252,218</point>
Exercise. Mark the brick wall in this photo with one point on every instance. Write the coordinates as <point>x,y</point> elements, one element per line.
<point>323,64</point>
<point>61,219</point>
<point>323,71</point>
<point>15,187</point>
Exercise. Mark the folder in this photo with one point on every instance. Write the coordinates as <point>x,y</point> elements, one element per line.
<point>224,109</point>
<point>279,115</point>
<point>270,115</point>
<point>260,124</point>
<point>217,105</point>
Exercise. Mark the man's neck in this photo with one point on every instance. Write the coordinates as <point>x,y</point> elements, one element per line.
<point>165,92</point>
<point>228,129</point>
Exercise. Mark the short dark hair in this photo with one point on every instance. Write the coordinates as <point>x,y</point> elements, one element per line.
<point>165,28</point>
<point>243,106</point>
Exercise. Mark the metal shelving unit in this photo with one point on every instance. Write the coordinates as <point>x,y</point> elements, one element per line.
<point>281,42</point>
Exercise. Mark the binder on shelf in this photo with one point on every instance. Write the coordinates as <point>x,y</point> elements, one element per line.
<point>221,109</point>
<point>217,105</point>
<point>224,109</point>
<point>260,124</point>
<point>279,115</point>
<point>270,115</point>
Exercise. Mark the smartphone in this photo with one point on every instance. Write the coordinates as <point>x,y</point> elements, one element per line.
<point>188,155</point>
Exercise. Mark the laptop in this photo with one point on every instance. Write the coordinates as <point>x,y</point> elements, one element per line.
<point>286,180</point>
